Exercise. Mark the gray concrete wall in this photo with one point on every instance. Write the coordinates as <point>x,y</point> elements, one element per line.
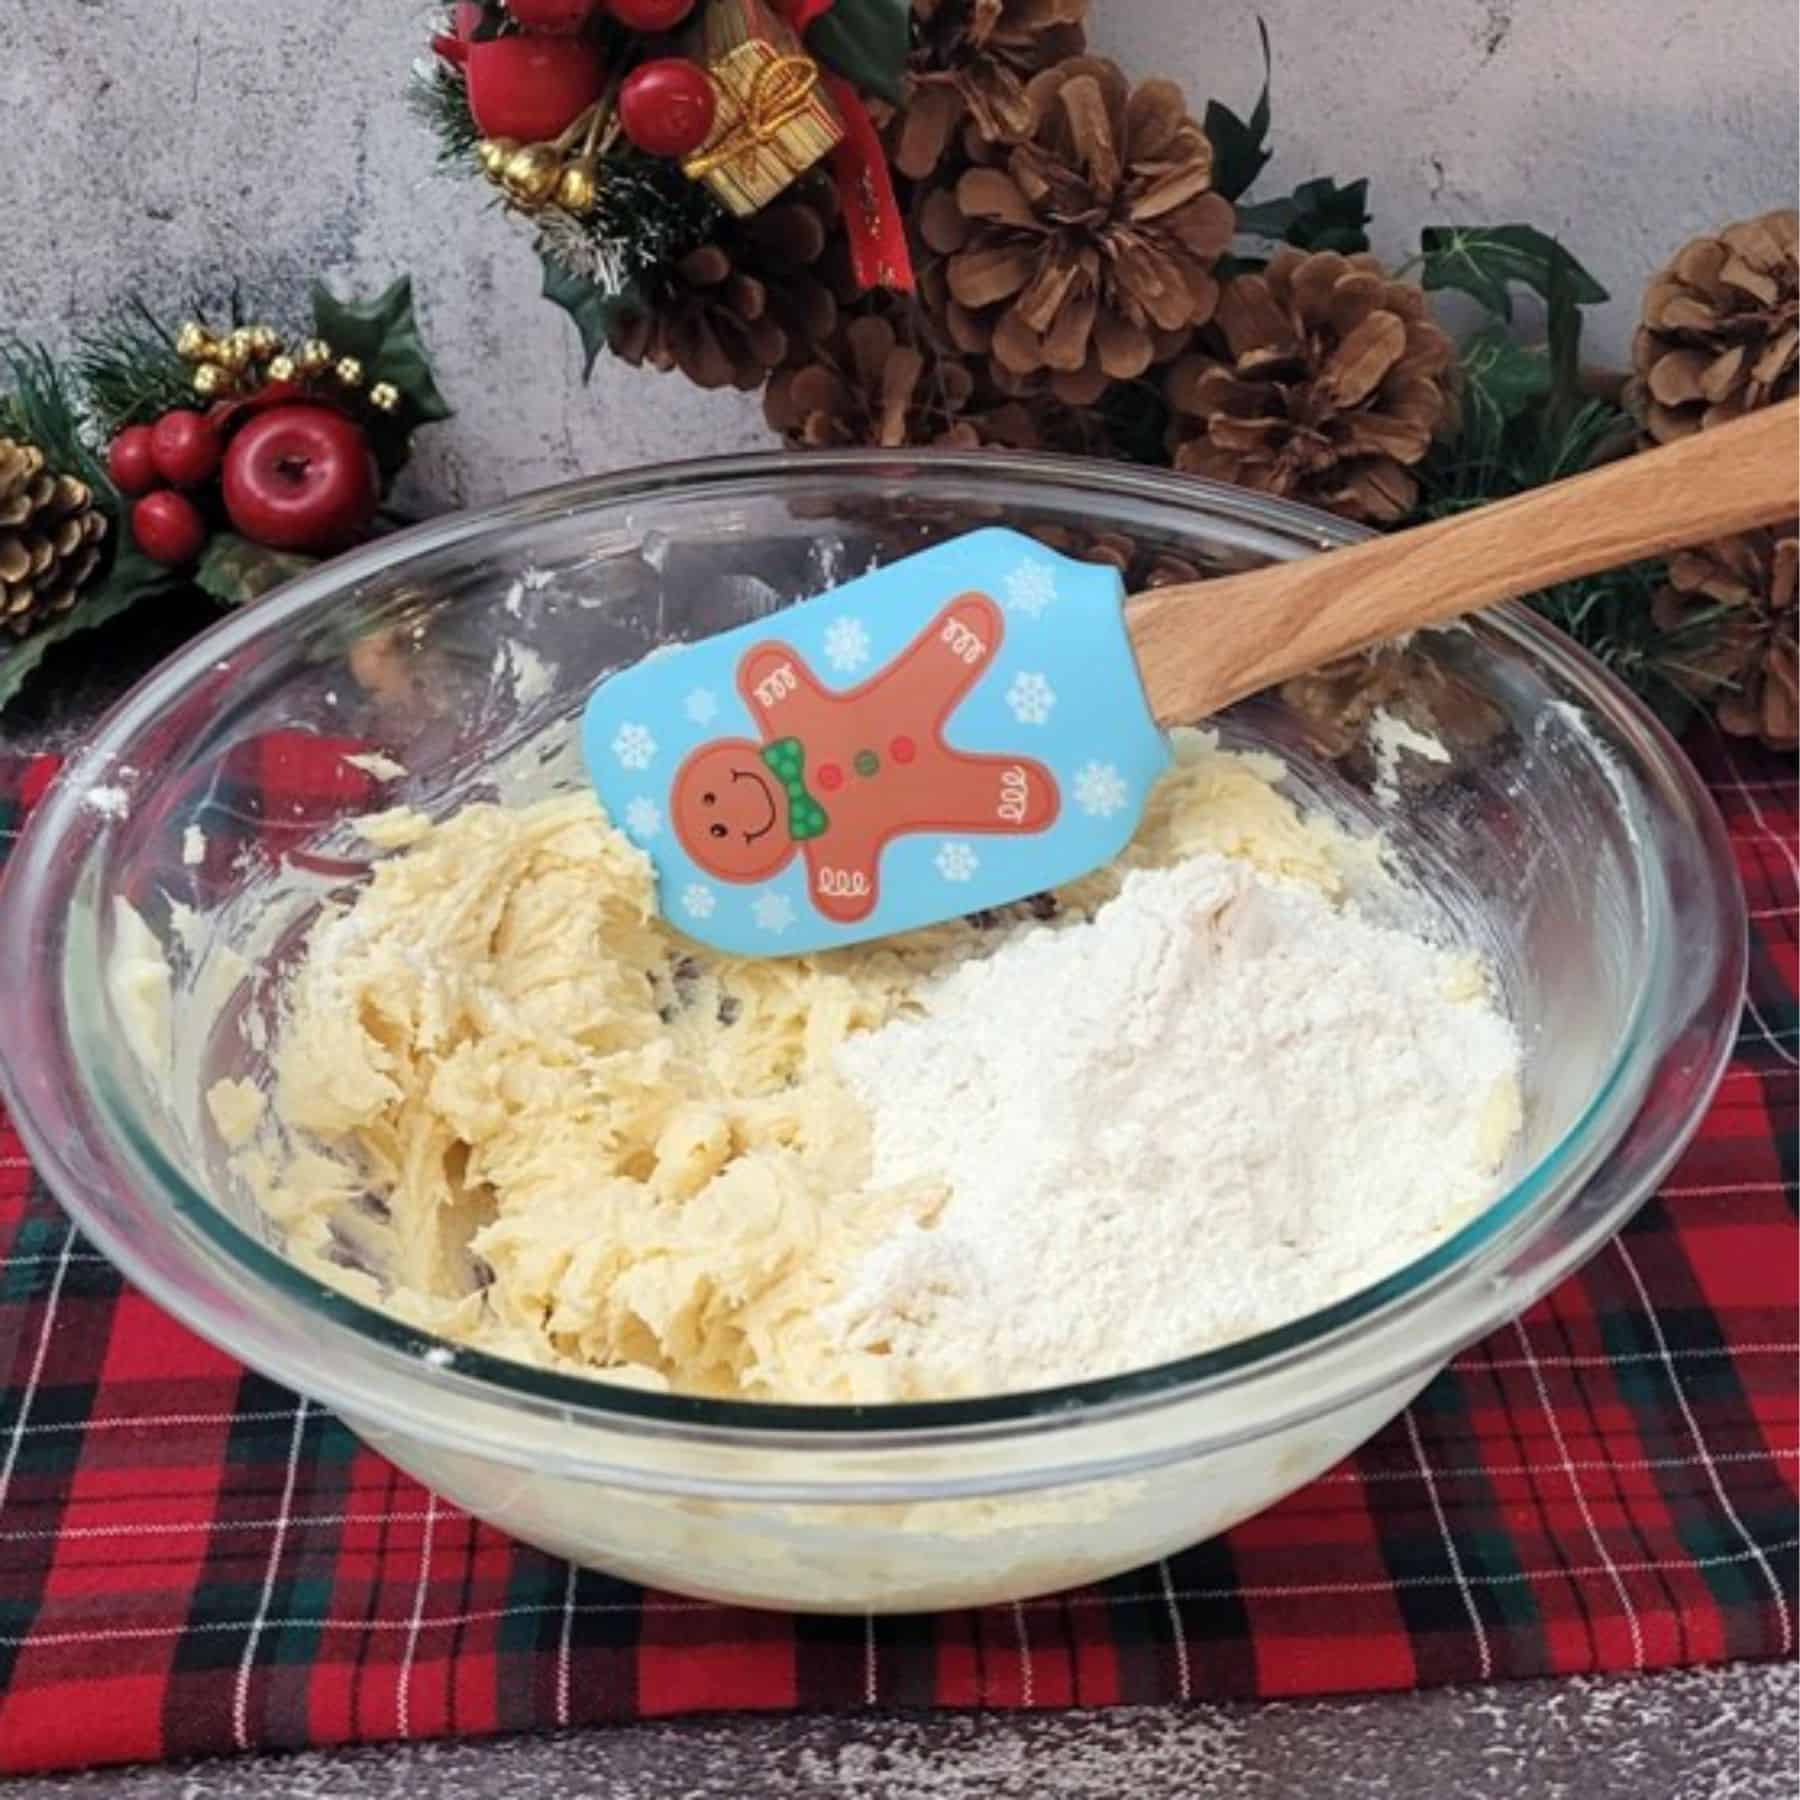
<point>158,145</point>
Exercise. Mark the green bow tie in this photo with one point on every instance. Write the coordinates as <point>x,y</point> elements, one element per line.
<point>786,758</point>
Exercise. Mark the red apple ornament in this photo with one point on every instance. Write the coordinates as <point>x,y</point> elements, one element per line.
<point>185,448</point>
<point>667,107</point>
<point>558,17</point>
<point>531,88</point>
<point>301,478</point>
<point>130,463</point>
<point>650,15</point>
<point>168,527</point>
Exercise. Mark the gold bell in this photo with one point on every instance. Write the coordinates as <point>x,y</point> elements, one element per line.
<point>577,188</point>
<point>493,154</point>
<point>349,372</point>
<point>282,368</point>
<point>314,356</point>
<point>193,342</point>
<point>265,342</point>
<point>384,397</point>
<point>210,381</point>
<point>531,176</point>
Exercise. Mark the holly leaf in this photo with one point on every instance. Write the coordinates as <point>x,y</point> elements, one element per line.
<point>1240,151</point>
<point>866,42</point>
<point>133,578</point>
<point>1317,215</point>
<point>1485,261</point>
<point>1501,379</point>
<point>592,310</point>
<point>236,570</point>
<point>383,335</point>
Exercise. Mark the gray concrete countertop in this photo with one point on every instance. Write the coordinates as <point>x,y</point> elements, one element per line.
<point>1708,1734</point>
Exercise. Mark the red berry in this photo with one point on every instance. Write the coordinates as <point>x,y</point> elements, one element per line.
<point>667,106</point>
<point>129,461</point>
<point>650,15</point>
<point>185,447</point>
<point>561,17</point>
<point>168,527</point>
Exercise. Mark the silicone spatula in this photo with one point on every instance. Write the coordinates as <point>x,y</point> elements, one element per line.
<point>982,721</point>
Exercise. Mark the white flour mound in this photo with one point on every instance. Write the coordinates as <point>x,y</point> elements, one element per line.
<point>1224,1103</point>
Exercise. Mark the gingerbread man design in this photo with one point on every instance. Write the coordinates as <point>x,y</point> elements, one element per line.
<point>838,775</point>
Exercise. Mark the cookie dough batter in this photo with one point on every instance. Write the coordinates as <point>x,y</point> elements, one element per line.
<point>514,1107</point>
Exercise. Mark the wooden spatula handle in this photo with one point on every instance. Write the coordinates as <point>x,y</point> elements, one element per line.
<point>1203,645</point>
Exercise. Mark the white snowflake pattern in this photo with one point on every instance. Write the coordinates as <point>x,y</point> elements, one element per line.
<point>702,706</point>
<point>698,900</point>
<point>1100,790</point>
<point>643,818</point>
<point>634,747</point>
<point>846,644</point>
<point>957,862</point>
<point>1031,587</point>
<point>1031,698</point>
<point>773,912</point>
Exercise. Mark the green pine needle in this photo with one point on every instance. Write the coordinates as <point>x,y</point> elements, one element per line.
<point>43,408</point>
<point>439,98</point>
<point>648,217</point>
<point>130,371</point>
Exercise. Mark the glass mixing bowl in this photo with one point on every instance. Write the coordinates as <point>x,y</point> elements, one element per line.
<point>1566,825</point>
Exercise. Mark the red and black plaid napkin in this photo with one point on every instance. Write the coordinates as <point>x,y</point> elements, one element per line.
<point>192,1560</point>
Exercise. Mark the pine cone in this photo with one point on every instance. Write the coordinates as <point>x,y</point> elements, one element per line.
<point>757,296</point>
<point>1144,565</point>
<point>1721,329</point>
<point>970,63</point>
<point>1744,664</point>
<point>50,532</point>
<point>1086,253</point>
<point>866,387</point>
<point>1325,382</point>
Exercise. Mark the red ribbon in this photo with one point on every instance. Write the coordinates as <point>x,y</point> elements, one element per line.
<point>879,255</point>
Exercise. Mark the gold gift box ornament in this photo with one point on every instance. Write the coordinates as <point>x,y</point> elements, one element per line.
<point>774,121</point>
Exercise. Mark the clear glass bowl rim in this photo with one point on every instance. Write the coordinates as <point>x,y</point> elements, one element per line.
<point>1531,1204</point>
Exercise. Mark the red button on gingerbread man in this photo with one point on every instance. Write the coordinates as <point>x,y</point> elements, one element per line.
<point>838,775</point>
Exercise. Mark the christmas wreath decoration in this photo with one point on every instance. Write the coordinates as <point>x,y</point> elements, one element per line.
<point>916,222</point>
<point>218,456</point>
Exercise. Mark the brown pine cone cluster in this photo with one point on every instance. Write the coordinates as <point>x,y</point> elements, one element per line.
<point>971,61</point>
<point>50,533</point>
<point>1322,380</point>
<point>1745,662</point>
<point>1721,329</point>
<point>865,387</point>
<point>1083,253</point>
<point>760,295</point>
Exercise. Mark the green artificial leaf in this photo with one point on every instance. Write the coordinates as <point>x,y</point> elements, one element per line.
<point>1563,329</point>
<point>1485,261</point>
<point>132,578</point>
<point>1501,379</point>
<point>383,335</point>
<point>1240,151</point>
<point>592,310</point>
<point>1317,215</point>
<point>866,42</point>
<point>237,571</point>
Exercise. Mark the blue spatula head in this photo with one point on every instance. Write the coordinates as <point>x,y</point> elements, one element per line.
<point>948,734</point>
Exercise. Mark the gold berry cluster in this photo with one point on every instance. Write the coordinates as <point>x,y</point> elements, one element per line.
<point>243,358</point>
<point>564,172</point>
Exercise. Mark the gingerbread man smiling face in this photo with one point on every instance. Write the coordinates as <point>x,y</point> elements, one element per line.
<point>730,800</point>
<point>838,775</point>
